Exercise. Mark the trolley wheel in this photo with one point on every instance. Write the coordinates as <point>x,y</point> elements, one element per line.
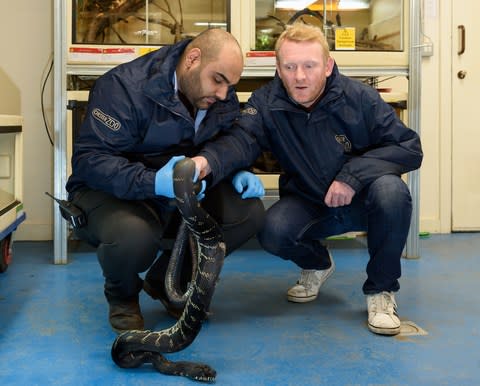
<point>6,251</point>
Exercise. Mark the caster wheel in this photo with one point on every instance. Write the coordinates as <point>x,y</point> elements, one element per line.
<point>6,253</point>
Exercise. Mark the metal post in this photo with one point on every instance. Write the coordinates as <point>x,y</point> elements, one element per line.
<point>60,132</point>
<point>414,108</point>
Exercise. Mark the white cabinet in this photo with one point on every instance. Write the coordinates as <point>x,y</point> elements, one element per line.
<point>12,213</point>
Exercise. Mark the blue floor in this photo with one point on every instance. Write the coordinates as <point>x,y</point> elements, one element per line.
<point>54,328</point>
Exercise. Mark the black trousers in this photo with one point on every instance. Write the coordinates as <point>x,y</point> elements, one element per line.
<point>130,235</point>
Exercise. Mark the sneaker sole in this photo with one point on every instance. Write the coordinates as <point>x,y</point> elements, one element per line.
<point>383,330</point>
<point>296,299</point>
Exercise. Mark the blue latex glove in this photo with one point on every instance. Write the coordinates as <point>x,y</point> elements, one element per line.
<point>201,194</point>
<point>164,178</point>
<point>248,184</point>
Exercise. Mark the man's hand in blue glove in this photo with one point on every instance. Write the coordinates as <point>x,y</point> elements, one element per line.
<point>248,184</point>
<point>164,180</point>
<point>201,193</point>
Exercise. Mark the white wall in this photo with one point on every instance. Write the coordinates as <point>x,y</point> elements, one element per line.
<point>26,42</point>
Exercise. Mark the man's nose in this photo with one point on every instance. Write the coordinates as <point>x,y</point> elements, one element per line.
<point>221,93</point>
<point>299,73</point>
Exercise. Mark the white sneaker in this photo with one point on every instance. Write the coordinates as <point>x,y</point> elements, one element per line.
<point>382,314</point>
<point>309,284</point>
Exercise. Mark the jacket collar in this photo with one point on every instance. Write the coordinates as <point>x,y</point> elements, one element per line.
<point>160,85</point>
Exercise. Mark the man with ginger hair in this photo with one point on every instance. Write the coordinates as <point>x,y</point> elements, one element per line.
<point>342,151</point>
<point>142,118</point>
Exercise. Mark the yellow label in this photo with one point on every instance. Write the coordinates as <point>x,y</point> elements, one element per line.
<point>146,50</point>
<point>345,38</point>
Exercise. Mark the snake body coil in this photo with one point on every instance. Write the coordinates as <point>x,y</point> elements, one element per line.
<point>133,348</point>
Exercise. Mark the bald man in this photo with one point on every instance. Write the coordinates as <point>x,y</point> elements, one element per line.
<point>142,118</point>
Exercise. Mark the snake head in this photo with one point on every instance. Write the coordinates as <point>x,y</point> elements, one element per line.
<point>183,175</point>
<point>202,373</point>
<point>199,372</point>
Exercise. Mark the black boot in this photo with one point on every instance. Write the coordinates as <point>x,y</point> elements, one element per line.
<point>158,293</point>
<point>125,315</point>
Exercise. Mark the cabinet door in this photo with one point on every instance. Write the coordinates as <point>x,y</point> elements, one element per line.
<point>465,126</point>
<point>109,22</point>
<point>143,22</point>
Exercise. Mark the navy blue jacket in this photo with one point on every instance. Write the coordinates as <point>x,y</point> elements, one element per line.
<point>350,135</point>
<point>135,123</point>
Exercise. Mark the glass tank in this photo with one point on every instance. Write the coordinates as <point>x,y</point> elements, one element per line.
<point>359,25</point>
<point>143,22</point>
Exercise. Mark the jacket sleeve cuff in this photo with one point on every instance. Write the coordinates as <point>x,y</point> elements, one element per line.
<point>350,180</point>
<point>215,166</point>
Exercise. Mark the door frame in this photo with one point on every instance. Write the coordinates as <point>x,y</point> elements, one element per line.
<point>446,117</point>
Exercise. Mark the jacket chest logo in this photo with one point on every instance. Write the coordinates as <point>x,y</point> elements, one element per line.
<point>344,141</point>
<point>250,111</point>
<point>106,119</point>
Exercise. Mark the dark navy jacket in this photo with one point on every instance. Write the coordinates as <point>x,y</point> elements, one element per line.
<point>350,135</point>
<point>135,123</point>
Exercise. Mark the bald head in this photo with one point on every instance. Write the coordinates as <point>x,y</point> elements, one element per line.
<point>210,64</point>
<point>215,42</point>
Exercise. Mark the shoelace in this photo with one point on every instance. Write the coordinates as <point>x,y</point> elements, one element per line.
<point>307,278</point>
<point>387,303</point>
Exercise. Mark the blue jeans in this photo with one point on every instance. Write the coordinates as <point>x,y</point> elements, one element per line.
<point>295,228</point>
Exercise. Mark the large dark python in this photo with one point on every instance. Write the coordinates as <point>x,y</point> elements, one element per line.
<point>133,348</point>
<point>185,244</point>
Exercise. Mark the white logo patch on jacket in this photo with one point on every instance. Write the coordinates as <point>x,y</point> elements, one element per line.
<point>106,119</point>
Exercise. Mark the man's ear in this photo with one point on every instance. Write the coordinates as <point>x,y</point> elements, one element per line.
<point>193,57</point>
<point>329,66</point>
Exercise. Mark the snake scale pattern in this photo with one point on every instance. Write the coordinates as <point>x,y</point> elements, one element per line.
<point>134,348</point>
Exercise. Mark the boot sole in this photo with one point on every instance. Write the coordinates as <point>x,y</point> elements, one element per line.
<point>120,331</point>
<point>133,326</point>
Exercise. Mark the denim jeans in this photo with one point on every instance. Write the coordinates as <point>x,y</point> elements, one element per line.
<point>295,229</point>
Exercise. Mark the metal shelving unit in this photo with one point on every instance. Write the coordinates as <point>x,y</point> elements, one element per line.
<point>62,69</point>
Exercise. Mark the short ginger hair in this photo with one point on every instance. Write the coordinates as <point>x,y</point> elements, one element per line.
<point>301,32</point>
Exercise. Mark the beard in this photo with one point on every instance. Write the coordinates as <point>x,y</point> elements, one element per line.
<point>191,87</point>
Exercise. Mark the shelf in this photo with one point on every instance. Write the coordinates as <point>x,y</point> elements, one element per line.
<point>10,124</point>
<point>269,71</point>
<point>249,72</point>
<point>406,63</point>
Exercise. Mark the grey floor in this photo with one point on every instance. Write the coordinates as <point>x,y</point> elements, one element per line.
<point>54,328</point>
